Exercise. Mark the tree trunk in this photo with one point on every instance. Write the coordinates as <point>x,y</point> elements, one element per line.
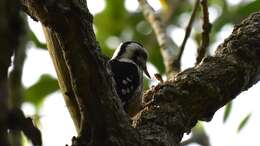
<point>174,106</point>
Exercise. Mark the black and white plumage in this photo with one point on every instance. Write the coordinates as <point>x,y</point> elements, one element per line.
<point>127,65</point>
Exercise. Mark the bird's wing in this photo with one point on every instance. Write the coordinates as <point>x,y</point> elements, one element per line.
<point>126,75</point>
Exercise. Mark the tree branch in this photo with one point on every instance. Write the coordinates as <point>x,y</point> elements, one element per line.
<point>188,30</point>
<point>167,47</point>
<point>10,25</point>
<point>12,33</point>
<point>64,79</point>
<point>202,50</point>
<point>71,24</point>
<point>15,78</point>
<point>177,104</point>
<point>17,121</point>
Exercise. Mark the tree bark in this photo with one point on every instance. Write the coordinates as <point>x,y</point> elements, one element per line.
<point>63,76</point>
<point>174,106</point>
<point>99,106</point>
<point>197,93</point>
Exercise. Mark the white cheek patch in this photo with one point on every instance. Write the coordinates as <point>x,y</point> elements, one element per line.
<point>116,51</point>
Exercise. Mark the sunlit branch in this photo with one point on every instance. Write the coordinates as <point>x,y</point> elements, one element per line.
<point>167,47</point>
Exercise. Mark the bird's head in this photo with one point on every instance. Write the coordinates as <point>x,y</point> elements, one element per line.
<point>132,51</point>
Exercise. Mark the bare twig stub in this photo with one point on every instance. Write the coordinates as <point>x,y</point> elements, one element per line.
<point>202,50</point>
<point>167,47</point>
<point>188,31</point>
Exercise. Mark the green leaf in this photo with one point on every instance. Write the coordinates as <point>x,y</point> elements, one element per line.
<point>35,40</point>
<point>245,10</point>
<point>243,122</point>
<point>199,128</point>
<point>112,20</point>
<point>42,88</point>
<point>156,59</point>
<point>146,84</point>
<point>235,14</point>
<point>228,108</point>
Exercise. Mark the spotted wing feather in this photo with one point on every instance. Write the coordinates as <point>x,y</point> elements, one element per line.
<point>126,77</point>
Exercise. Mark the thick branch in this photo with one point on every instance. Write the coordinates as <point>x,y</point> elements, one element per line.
<point>63,76</point>
<point>167,47</point>
<point>177,104</point>
<point>71,24</point>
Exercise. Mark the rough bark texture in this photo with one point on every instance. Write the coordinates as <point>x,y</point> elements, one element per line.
<point>197,93</point>
<point>71,23</point>
<point>175,105</point>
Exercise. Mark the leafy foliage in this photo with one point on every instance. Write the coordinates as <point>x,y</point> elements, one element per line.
<point>228,108</point>
<point>243,122</point>
<point>42,88</point>
<point>36,41</point>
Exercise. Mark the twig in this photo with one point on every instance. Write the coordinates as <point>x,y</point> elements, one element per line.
<point>158,77</point>
<point>17,121</point>
<point>167,47</point>
<point>188,31</point>
<point>205,33</point>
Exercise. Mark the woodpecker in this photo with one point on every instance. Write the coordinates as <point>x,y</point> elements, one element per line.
<point>128,65</point>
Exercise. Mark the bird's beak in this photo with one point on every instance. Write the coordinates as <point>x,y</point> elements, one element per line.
<point>146,72</point>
